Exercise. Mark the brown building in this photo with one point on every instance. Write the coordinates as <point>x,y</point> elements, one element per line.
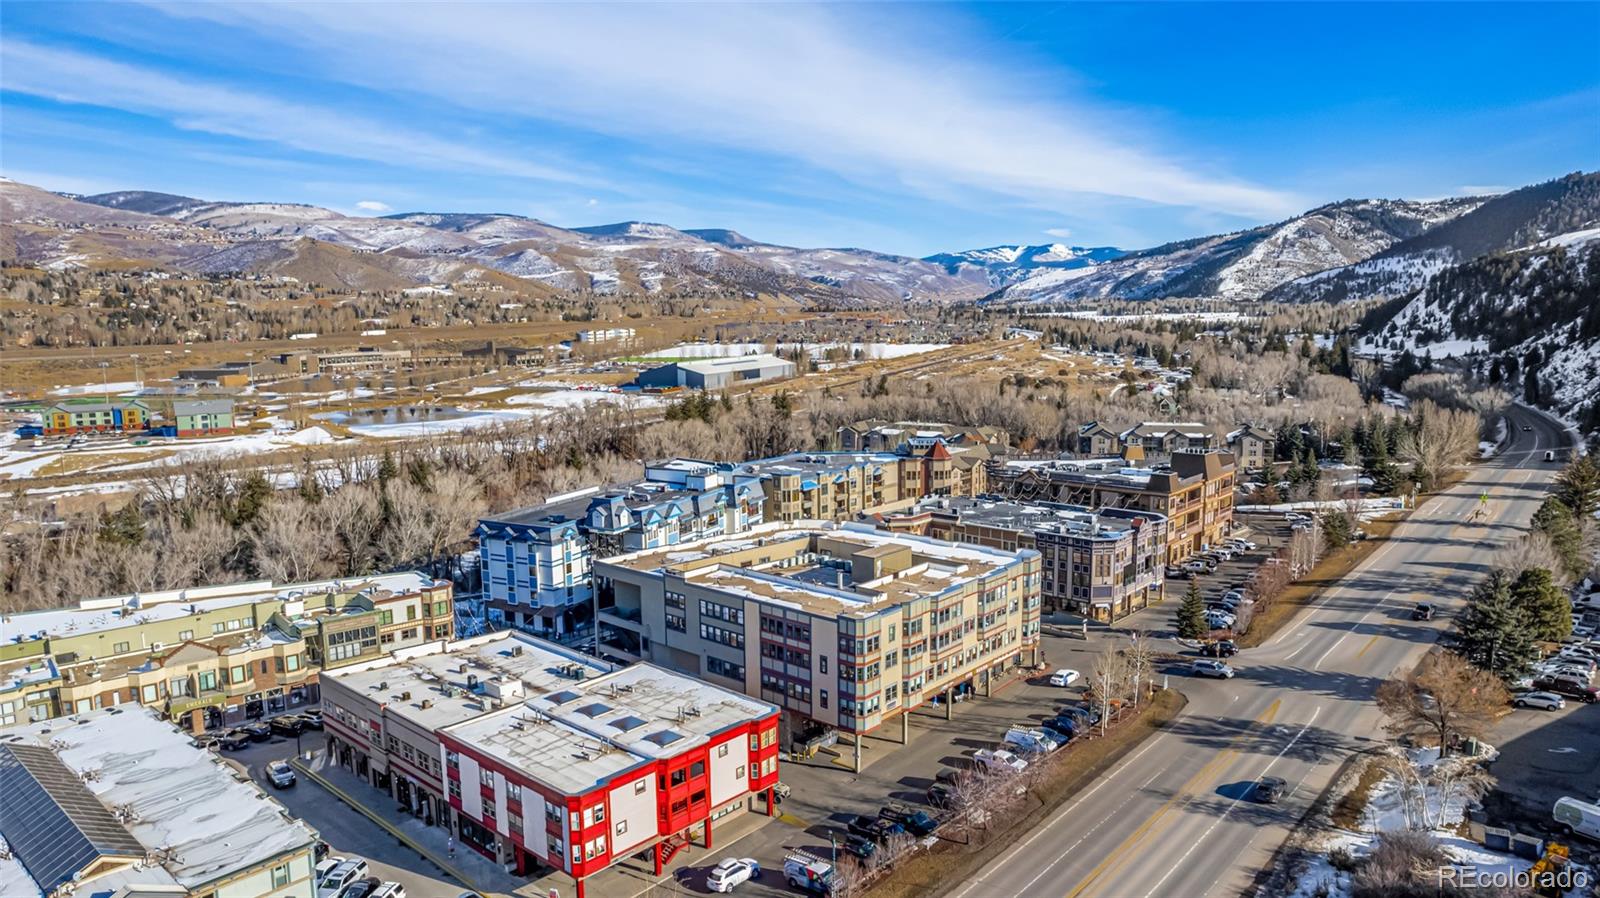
<point>1194,492</point>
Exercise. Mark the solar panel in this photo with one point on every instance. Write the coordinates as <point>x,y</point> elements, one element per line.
<point>55,826</point>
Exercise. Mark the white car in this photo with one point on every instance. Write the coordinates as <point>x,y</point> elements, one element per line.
<point>281,774</point>
<point>1035,742</point>
<point>341,877</point>
<point>1064,677</point>
<point>999,759</point>
<point>1549,701</point>
<point>1206,667</point>
<point>732,871</point>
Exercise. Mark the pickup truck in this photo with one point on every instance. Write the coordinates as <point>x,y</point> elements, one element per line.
<point>916,822</point>
<point>875,828</point>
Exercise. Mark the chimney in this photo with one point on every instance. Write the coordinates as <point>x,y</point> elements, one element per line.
<point>839,577</point>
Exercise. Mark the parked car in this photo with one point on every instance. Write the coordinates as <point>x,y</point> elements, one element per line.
<point>1568,688</point>
<point>1549,455</point>
<point>948,777</point>
<point>1062,727</point>
<point>1030,741</point>
<point>281,774</point>
<point>877,829</point>
<point>337,879</point>
<point>941,796</point>
<point>916,822</point>
<point>1064,677</point>
<point>323,866</point>
<point>1205,667</point>
<point>999,759</point>
<point>732,871</point>
<point>233,740</point>
<point>1196,566</point>
<point>1222,648</point>
<point>1269,789</point>
<point>312,718</point>
<point>258,732</point>
<point>1174,572</point>
<point>860,846</point>
<point>390,890</point>
<point>287,725</point>
<point>1549,701</point>
<point>1085,714</point>
<point>362,888</point>
<point>1219,620</point>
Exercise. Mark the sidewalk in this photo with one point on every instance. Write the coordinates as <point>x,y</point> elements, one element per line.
<point>625,879</point>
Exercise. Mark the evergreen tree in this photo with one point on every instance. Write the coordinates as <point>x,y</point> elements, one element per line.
<point>387,469</point>
<point>1556,521</point>
<point>1544,605</point>
<point>1578,486</point>
<point>253,496</point>
<point>123,527</point>
<point>1494,633</point>
<point>1336,528</point>
<point>1192,613</point>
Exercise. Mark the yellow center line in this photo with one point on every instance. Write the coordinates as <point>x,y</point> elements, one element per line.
<point>1124,851</point>
<point>1369,645</point>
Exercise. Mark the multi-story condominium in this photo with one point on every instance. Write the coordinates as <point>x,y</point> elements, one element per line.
<point>605,334</point>
<point>214,656</point>
<point>915,436</point>
<point>838,486</point>
<point>117,802</point>
<point>534,755</point>
<point>1099,563</point>
<point>841,625</point>
<point>1194,492</point>
<point>202,417</point>
<point>1253,447</point>
<point>95,416</point>
<point>535,562</point>
<point>1155,438</point>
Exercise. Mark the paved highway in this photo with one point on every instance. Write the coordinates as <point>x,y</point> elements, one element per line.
<point>1174,818</point>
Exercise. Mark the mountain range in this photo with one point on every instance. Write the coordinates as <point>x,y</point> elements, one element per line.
<point>1345,250</point>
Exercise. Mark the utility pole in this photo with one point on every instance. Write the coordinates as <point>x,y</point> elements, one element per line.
<point>105,387</point>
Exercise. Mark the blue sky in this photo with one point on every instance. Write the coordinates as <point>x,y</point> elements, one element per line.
<point>896,126</point>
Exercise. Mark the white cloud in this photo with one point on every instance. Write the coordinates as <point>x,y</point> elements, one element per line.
<point>374,206</point>
<point>192,105</point>
<point>1063,233</point>
<point>899,108</point>
<point>592,202</point>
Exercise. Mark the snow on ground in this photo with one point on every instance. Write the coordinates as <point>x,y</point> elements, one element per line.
<point>122,455</point>
<point>816,350</point>
<point>115,388</point>
<point>1371,507</point>
<point>563,399</point>
<point>467,421</point>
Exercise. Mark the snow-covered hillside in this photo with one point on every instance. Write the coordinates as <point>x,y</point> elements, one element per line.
<point>1000,266</point>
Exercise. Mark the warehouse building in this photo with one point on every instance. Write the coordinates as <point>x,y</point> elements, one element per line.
<point>717,374</point>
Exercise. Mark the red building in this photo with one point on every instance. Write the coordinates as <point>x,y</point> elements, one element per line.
<point>581,777</point>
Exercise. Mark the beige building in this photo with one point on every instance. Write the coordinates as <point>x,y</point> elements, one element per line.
<point>211,657</point>
<point>1194,492</point>
<point>1100,563</point>
<point>845,627</point>
<point>1253,447</point>
<point>838,486</point>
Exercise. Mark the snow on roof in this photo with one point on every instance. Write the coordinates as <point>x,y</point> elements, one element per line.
<point>184,800</point>
<point>433,674</point>
<point>733,363</point>
<point>588,731</point>
<point>113,612</point>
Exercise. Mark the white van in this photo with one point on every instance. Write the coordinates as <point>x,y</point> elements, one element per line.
<point>1578,817</point>
<point>1031,741</point>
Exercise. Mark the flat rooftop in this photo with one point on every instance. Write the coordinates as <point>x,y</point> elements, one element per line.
<point>1112,469</point>
<point>185,802</point>
<point>578,736</point>
<point>1006,514</point>
<point>733,363</point>
<point>114,612</point>
<point>817,463</point>
<point>433,674</point>
<point>822,582</point>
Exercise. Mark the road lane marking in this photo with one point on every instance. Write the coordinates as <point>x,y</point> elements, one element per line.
<point>1368,645</point>
<point>1363,619</point>
<point>1124,850</point>
<point>1061,814</point>
<point>1067,853</point>
<point>1235,803</point>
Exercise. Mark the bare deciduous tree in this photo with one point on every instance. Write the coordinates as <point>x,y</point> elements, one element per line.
<point>1444,699</point>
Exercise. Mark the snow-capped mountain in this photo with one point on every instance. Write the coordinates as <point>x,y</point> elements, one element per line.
<point>1001,266</point>
<point>1505,222</point>
<point>1529,319</point>
<point>1247,264</point>
<point>327,247</point>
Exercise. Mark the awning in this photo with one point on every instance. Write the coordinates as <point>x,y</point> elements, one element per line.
<point>808,484</point>
<point>551,612</point>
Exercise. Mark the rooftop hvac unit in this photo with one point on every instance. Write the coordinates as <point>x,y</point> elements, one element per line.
<point>427,703</point>
<point>516,651</point>
<point>405,696</point>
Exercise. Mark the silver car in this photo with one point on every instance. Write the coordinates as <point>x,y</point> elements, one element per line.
<point>1549,701</point>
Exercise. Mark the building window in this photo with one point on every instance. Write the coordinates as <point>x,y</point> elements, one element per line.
<point>280,876</point>
<point>513,792</point>
<point>185,635</point>
<point>622,827</point>
<point>697,769</point>
<point>148,694</point>
<point>824,694</point>
<point>119,648</point>
<point>486,777</point>
<point>292,662</point>
<point>738,772</point>
<point>722,750</point>
<point>640,786</point>
<point>725,669</point>
<point>238,674</point>
<point>824,660</point>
